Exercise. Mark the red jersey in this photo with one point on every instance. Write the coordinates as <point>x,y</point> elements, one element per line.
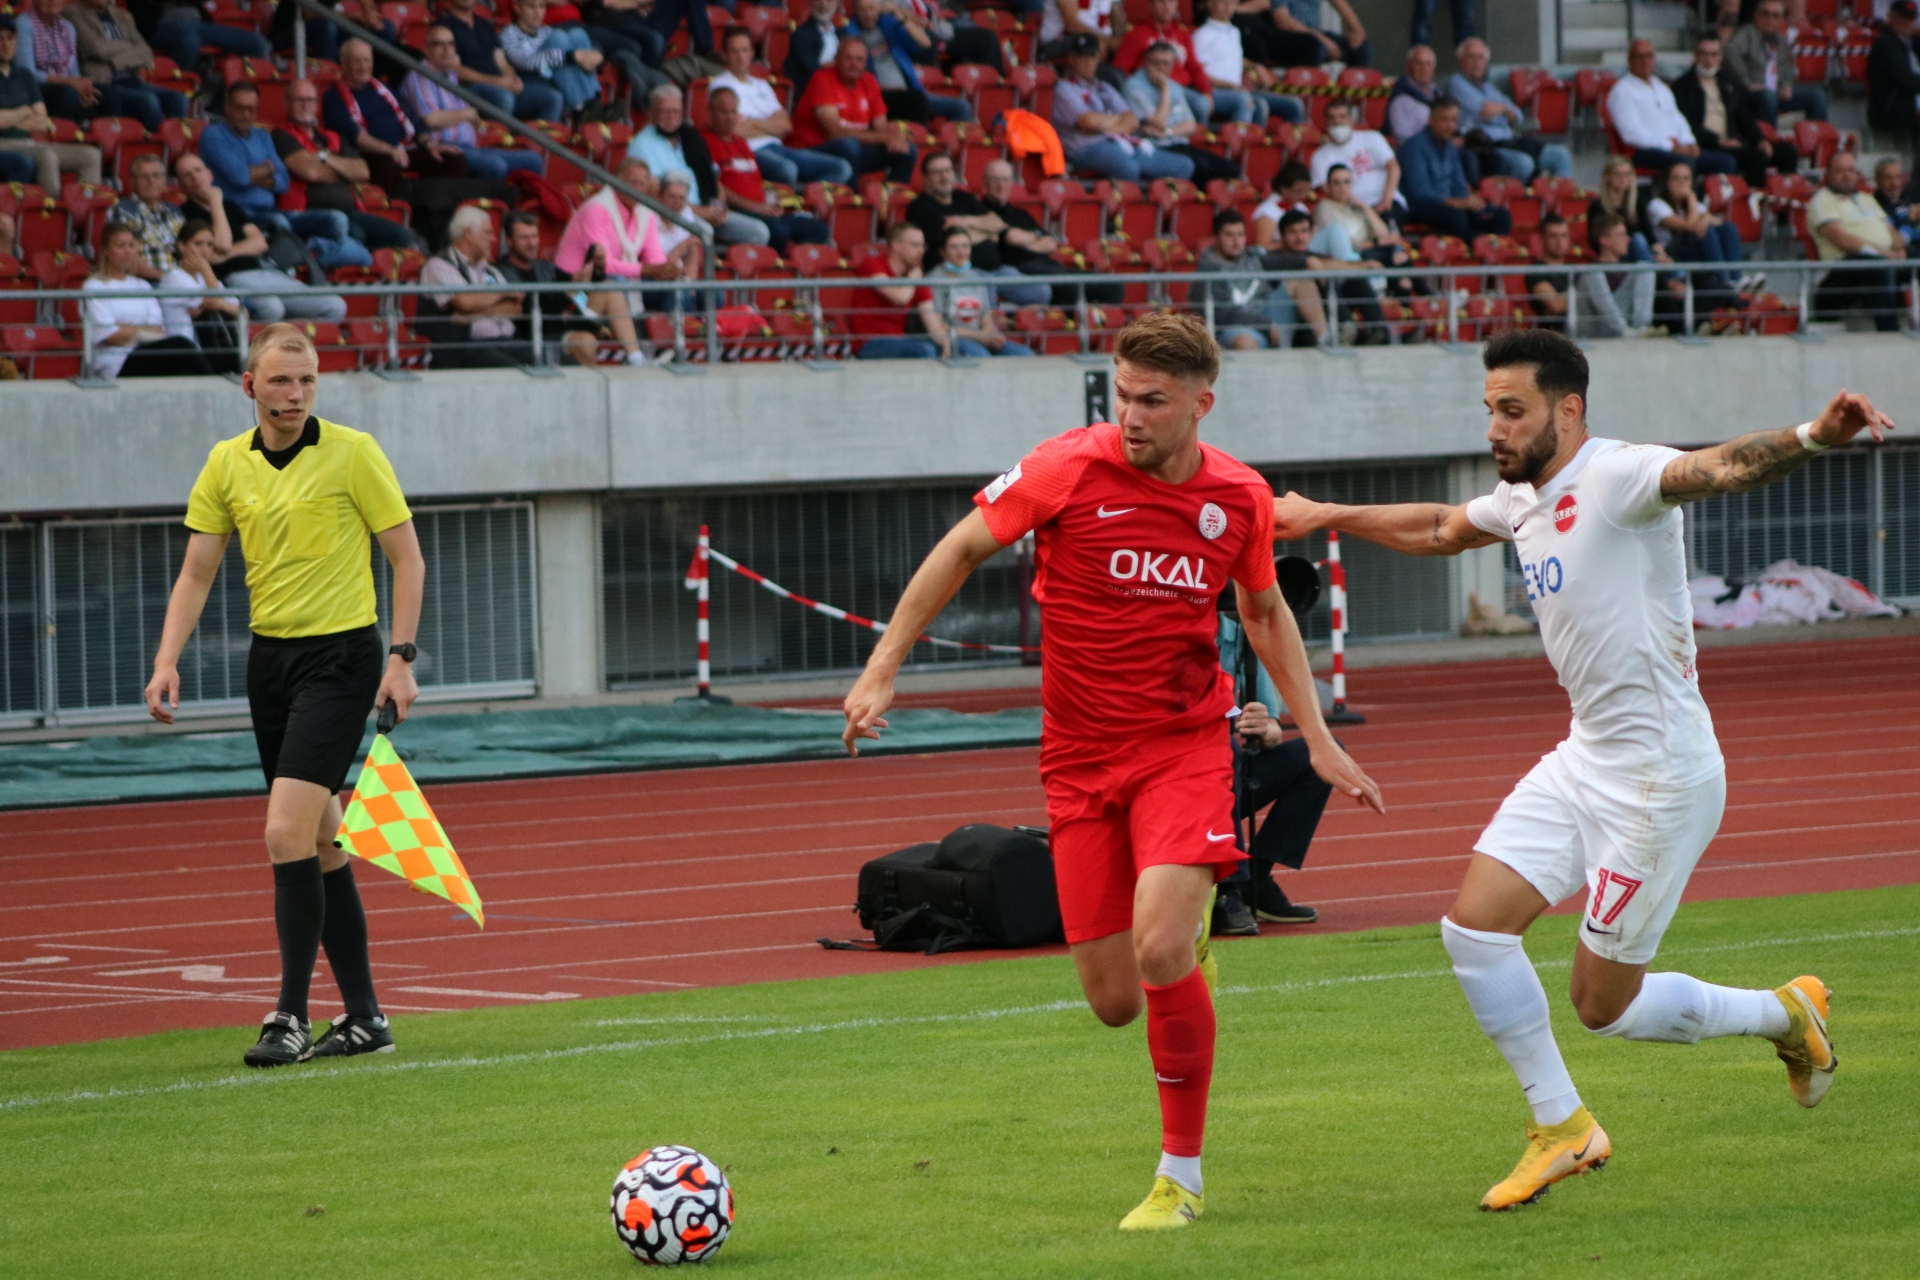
<point>873,315</point>
<point>1127,573</point>
<point>860,105</point>
<point>739,173</point>
<point>1134,45</point>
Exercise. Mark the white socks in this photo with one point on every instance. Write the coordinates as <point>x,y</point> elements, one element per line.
<point>1511,1006</point>
<point>1185,1170</point>
<point>1677,1009</point>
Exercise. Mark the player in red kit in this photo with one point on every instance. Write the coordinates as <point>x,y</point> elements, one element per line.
<point>1139,528</point>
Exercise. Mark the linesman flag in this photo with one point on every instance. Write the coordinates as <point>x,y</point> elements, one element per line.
<point>390,824</point>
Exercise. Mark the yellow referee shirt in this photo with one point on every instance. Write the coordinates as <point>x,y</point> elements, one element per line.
<point>303,529</point>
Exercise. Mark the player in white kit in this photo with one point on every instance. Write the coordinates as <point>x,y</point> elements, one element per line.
<point>1628,803</point>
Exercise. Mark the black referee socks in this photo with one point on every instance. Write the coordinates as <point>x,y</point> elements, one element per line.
<point>299,909</point>
<point>345,937</point>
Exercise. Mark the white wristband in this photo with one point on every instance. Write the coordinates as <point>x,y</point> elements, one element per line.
<point>1807,442</point>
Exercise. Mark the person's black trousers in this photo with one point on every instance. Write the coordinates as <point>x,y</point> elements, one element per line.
<point>1283,777</point>
<point>1873,291</point>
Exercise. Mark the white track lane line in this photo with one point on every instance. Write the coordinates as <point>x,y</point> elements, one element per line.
<point>383,1068</point>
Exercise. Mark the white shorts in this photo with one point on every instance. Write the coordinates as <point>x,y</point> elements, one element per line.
<point>1632,846</point>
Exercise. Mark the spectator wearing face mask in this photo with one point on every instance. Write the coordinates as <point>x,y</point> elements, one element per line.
<point>1367,155</point>
<point>963,299</point>
<point>1716,106</point>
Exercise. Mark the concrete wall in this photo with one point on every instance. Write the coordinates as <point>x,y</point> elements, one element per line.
<point>139,446</point>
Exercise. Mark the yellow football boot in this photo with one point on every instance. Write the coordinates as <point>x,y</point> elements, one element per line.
<point>1203,947</point>
<point>1807,1049</point>
<point>1167,1206</point>
<point>1575,1145</point>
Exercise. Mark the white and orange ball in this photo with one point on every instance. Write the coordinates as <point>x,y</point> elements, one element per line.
<point>672,1205</point>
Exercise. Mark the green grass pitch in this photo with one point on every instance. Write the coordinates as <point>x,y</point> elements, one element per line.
<point>975,1121</point>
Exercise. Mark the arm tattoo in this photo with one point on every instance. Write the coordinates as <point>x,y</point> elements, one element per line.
<point>1744,463</point>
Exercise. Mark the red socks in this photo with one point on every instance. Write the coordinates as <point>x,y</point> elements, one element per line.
<point>1180,1030</point>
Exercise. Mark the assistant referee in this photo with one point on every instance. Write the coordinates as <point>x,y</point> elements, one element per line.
<point>304,493</point>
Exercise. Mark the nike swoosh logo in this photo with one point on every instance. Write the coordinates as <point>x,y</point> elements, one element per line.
<point>1169,1079</point>
<point>1516,528</point>
<point>1105,514</point>
<point>1604,933</point>
<point>1581,1154</point>
<point>1217,839</point>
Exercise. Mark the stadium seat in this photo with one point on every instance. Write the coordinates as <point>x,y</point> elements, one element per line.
<point>1368,90</point>
<point>122,140</point>
<point>1729,196</point>
<point>42,351</point>
<point>41,224</point>
<point>180,137</point>
<point>400,266</point>
<point>1133,211</point>
<point>1074,213</point>
<point>87,208</point>
<point>1817,140</point>
<point>810,261</point>
<point>1049,331</point>
<point>269,79</point>
<point>1310,84</point>
<point>166,74</point>
<point>1236,193</point>
<point>1813,44</point>
<point>1590,87</point>
<point>1185,213</point>
<point>1853,44</point>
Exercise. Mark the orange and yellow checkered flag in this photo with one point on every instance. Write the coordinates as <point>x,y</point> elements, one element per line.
<point>390,824</point>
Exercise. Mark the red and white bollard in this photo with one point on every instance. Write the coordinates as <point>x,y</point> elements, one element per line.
<point>698,579</point>
<point>1337,600</point>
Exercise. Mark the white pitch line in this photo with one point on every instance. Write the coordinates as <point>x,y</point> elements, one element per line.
<point>490,995</point>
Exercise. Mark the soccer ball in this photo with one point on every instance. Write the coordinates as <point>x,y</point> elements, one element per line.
<point>671,1205</point>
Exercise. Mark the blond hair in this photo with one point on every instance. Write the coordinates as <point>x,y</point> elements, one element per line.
<point>1628,206</point>
<point>1171,343</point>
<point>279,337</point>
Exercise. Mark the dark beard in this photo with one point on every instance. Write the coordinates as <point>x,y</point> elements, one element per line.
<point>1526,468</point>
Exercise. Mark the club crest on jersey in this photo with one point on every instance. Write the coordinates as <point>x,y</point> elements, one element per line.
<point>1154,566</point>
<point>1565,511</point>
<point>1006,481</point>
<point>1213,521</point>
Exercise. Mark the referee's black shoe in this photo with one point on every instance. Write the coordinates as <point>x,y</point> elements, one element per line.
<point>350,1036</point>
<point>1270,904</point>
<point>283,1039</point>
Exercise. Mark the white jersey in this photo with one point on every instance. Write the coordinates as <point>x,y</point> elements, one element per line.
<point>1606,570</point>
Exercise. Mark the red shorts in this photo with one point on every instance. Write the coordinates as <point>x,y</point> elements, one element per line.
<point>1117,807</point>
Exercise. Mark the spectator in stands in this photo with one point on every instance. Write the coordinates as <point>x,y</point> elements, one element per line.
<point>957,38</point>
<point>1420,32</point>
<point>1291,192</point>
<point>485,71</point>
<point>1683,225</point>
<point>1062,22</point>
<point>1548,291</point>
<point>667,16</point>
<point>1492,115</point>
<point>364,111</point>
<point>576,318</point>
<point>1164,27</point>
<point>764,123</point>
<point>112,54</point>
<point>813,43</point>
<point>9,241</point>
<point>680,244</point>
<point>620,28</point>
<point>241,254</point>
<point>1717,109</point>
<point>1413,95</point>
<point>1239,304</point>
<point>1436,187</point>
<point>1287,33</point>
<point>180,35</point>
<point>1026,247</point>
<point>740,183</point>
<point>1367,155</point>
<point>129,330</point>
<point>967,306</point>
<point>1097,130</point>
<point>1619,194</point>
<point>881,313</point>
<point>322,171</point>
<point>1890,192</point>
<point>620,237</point>
<point>942,206</point>
<point>670,144</point>
<point>1849,224</point>
<point>1348,228</point>
<point>1760,55</point>
<point>452,123</point>
<point>211,321</point>
<point>891,38</point>
<point>1613,304</point>
<point>154,222</point>
<point>1161,107</point>
<point>470,330</point>
<point>23,113</point>
<point>248,168</point>
<point>1893,73</point>
<point>1646,118</point>
<point>55,63</point>
<point>842,114</point>
<point>563,57</point>
<point>1357,301</point>
<point>1242,89</point>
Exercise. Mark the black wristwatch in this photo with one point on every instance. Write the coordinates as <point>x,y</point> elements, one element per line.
<point>405,652</point>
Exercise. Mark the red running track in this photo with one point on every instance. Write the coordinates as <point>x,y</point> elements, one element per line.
<point>136,918</point>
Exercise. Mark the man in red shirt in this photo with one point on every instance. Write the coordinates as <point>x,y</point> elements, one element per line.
<point>1187,71</point>
<point>842,114</point>
<point>880,311</point>
<point>1138,528</point>
<point>740,183</point>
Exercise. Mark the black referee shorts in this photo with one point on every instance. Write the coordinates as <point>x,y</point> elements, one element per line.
<point>310,697</point>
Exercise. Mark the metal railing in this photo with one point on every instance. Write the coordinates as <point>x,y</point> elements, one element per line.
<point>808,318</point>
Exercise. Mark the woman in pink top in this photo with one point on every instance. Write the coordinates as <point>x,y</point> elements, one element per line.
<point>625,235</point>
